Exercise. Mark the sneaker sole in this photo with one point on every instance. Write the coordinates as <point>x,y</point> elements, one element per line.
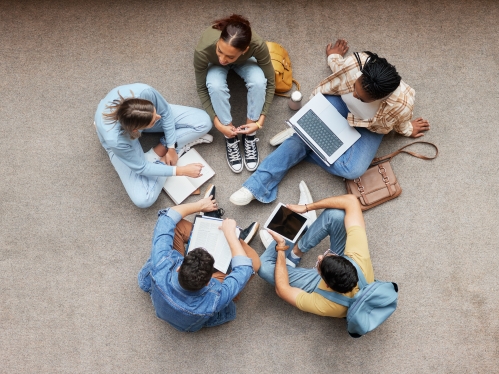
<point>281,137</point>
<point>252,233</point>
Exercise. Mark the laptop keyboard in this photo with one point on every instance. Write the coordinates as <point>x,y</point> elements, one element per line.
<point>320,132</point>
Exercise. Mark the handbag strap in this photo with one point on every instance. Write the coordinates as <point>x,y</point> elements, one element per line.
<point>388,157</point>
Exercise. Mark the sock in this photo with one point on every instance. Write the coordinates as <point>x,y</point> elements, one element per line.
<point>292,255</point>
<point>252,134</point>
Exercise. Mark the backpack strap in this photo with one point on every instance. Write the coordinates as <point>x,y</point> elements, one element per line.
<point>288,95</point>
<point>389,156</point>
<point>338,298</point>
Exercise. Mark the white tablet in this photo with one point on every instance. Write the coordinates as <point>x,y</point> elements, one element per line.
<point>286,223</point>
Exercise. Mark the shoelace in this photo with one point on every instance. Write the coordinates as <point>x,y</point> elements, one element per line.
<point>234,154</point>
<point>250,148</point>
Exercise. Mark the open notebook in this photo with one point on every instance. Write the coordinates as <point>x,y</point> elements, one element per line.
<point>324,129</point>
<point>180,187</point>
<point>206,234</point>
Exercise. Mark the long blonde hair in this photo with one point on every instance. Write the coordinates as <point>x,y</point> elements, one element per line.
<point>133,114</point>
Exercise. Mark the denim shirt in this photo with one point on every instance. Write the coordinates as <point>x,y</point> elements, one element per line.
<point>188,310</point>
<point>114,139</point>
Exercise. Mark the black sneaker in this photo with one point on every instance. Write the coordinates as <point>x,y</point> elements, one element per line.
<point>249,232</point>
<point>216,213</point>
<point>251,158</point>
<point>234,158</point>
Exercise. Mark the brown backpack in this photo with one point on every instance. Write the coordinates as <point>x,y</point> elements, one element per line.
<point>282,68</point>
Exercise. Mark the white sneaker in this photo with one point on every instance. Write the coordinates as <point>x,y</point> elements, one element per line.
<point>282,136</point>
<point>242,196</point>
<point>266,238</point>
<point>306,198</point>
<point>151,156</point>
<point>206,138</point>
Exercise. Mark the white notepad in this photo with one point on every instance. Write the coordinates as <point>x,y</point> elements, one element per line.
<point>206,234</point>
<point>180,187</point>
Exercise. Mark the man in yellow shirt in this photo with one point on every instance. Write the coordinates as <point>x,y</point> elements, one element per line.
<point>342,220</point>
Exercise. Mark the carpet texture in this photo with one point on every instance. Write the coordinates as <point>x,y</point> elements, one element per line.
<point>72,243</point>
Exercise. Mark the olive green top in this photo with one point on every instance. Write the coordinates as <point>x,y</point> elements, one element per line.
<point>205,54</point>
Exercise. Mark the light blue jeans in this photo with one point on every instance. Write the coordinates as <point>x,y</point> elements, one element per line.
<point>256,83</point>
<point>190,124</point>
<point>330,222</point>
<point>264,182</point>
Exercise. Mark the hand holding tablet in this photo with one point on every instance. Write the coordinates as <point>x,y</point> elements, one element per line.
<point>286,223</point>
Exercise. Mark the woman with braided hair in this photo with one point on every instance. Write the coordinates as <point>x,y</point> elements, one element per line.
<point>230,44</point>
<point>369,93</point>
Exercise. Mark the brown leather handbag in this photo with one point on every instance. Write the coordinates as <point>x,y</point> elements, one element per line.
<point>379,184</point>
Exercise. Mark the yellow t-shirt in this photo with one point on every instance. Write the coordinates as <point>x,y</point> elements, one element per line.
<point>356,248</point>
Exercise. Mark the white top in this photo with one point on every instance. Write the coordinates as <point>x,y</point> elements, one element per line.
<point>360,109</point>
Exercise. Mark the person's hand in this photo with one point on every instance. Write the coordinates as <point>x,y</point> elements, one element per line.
<point>247,128</point>
<point>418,126</point>
<point>171,157</point>
<point>297,208</point>
<point>281,243</point>
<point>228,227</point>
<point>191,170</point>
<point>208,204</point>
<point>340,48</point>
<point>229,131</point>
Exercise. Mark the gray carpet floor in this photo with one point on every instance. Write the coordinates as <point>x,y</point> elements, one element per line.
<point>71,241</point>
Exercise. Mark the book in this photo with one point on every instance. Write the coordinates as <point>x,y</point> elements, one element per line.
<point>323,129</point>
<point>206,234</point>
<point>180,187</point>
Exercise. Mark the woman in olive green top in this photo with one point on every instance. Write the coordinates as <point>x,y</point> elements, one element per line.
<point>230,44</point>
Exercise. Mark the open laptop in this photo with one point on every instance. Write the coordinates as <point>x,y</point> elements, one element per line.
<point>324,129</point>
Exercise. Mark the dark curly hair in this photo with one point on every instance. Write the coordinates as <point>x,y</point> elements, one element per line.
<point>196,270</point>
<point>236,31</point>
<point>338,273</point>
<point>379,78</point>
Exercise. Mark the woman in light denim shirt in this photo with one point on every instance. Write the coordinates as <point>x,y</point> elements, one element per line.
<point>129,110</point>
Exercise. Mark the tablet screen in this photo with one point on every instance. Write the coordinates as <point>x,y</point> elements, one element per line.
<point>287,223</point>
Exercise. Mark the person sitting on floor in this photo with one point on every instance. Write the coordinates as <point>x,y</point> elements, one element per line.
<point>185,290</point>
<point>120,121</point>
<point>231,44</point>
<point>370,94</point>
<point>342,220</point>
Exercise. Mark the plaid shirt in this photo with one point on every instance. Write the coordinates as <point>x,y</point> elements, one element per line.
<point>395,112</point>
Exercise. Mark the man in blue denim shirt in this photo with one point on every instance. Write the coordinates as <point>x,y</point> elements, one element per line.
<point>184,291</point>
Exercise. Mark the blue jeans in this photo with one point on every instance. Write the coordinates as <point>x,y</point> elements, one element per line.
<point>256,83</point>
<point>190,124</point>
<point>264,182</point>
<point>330,222</point>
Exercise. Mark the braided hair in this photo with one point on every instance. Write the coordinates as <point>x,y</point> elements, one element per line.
<point>380,78</point>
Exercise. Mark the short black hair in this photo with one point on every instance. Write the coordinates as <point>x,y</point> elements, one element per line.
<point>196,270</point>
<point>379,78</point>
<point>339,273</point>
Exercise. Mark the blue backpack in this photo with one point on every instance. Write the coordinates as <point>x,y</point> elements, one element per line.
<point>370,307</point>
